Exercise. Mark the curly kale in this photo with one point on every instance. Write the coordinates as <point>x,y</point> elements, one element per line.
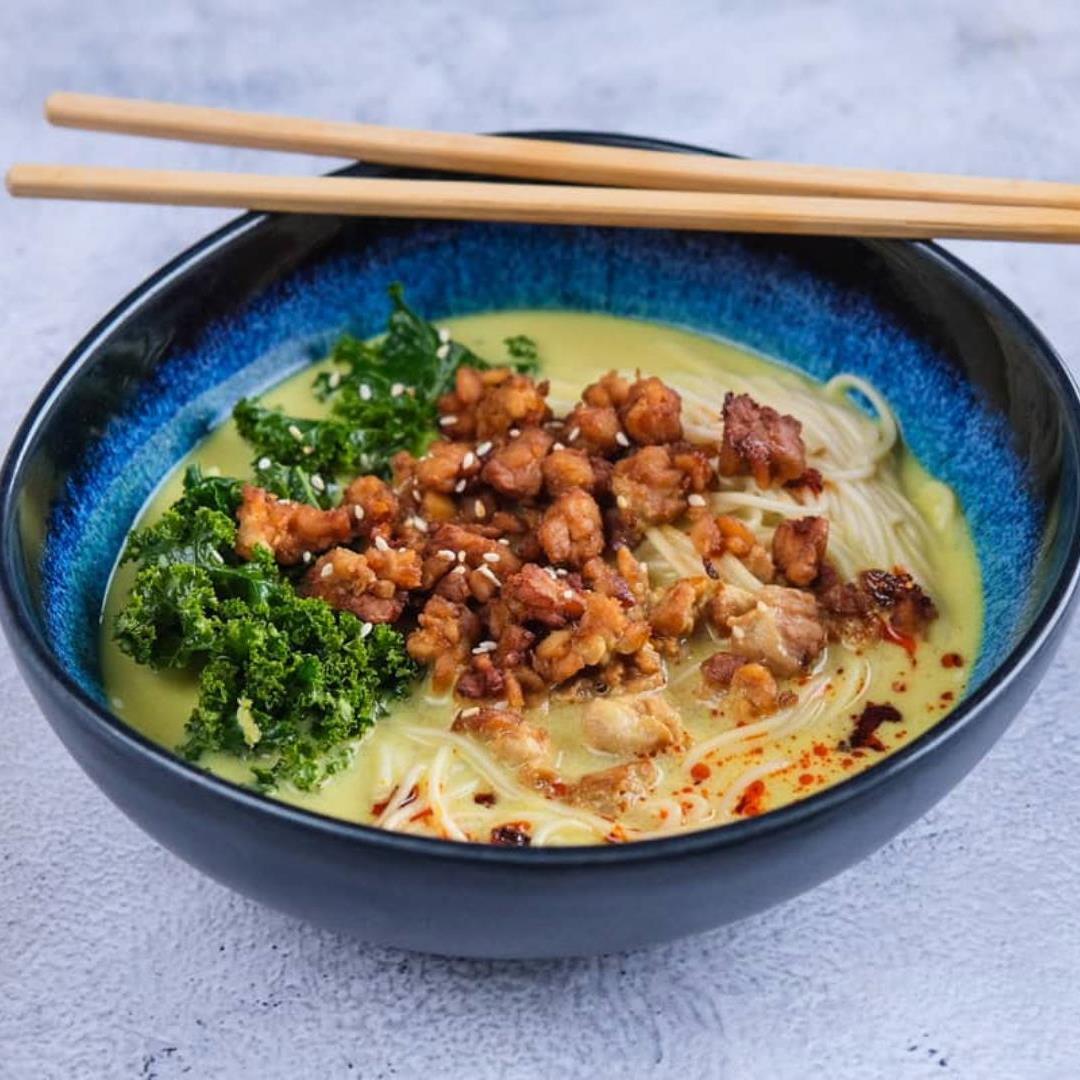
<point>285,681</point>
<point>385,399</point>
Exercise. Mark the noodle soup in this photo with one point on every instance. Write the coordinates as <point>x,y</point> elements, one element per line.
<point>719,750</point>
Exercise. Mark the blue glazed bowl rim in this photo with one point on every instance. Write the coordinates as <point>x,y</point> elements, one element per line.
<point>26,636</point>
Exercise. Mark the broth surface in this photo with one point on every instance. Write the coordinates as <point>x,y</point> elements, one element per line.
<point>575,349</point>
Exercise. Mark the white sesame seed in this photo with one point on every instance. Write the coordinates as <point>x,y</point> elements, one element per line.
<point>489,574</point>
<point>469,460</point>
<point>621,439</point>
<point>484,647</point>
<point>307,556</point>
<point>502,540</point>
<point>461,556</point>
<point>621,502</point>
<point>381,544</point>
<point>695,500</point>
<point>295,432</point>
<point>479,509</point>
<point>483,448</point>
<point>445,553</point>
<point>264,463</point>
<point>335,380</point>
<point>419,523</point>
<point>365,392</point>
<point>447,421</point>
<point>365,629</point>
<point>473,710</point>
<point>443,351</point>
<point>358,512</point>
<point>574,433</point>
<point>458,570</point>
<point>514,433</point>
<point>491,556</point>
<point>550,572</point>
<point>558,446</point>
<point>327,570</point>
<point>502,703</point>
<point>561,571</point>
<point>568,594</point>
<point>460,486</point>
<point>397,389</point>
<point>317,482</point>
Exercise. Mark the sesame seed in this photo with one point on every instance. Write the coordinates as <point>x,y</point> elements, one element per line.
<point>483,448</point>
<point>317,482</point>
<point>502,540</point>
<point>514,433</point>
<point>484,647</point>
<point>365,392</point>
<point>561,571</point>
<point>327,570</point>
<point>307,556</point>
<point>558,446</point>
<point>295,432</point>
<point>620,502</point>
<point>489,574</point>
<point>446,553</point>
<point>459,487</point>
<point>381,544</point>
<point>447,421</point>
<point>469,460</point>
<point>550,572</point>
<point>458,570</point>
<point>443,351</point>
<point>335,380</point>
<point>491,556</point>
<point>264,463</point>
<point>461,556</point>
<point>397,389</point>
<point>695,500</point>
<point>621,439</point>
<point>365,629</point>
<point>568,594</point>
<point>444,334</point>
<point>419,523</point>
<point>358,512</point>
<point>479,509</point>
<point>502,703</point>
<point>473,710</point>
<point>574,433</point>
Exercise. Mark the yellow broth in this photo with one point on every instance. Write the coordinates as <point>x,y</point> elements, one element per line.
<point>575,349</point>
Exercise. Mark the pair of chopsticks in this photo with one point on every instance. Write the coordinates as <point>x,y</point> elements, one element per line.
<point>596,185</point>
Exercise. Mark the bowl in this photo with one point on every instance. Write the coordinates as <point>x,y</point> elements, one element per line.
<point>983,399</point>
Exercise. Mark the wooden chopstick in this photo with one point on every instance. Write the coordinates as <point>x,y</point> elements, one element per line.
<point>551,204</point>
<point>539,160</point>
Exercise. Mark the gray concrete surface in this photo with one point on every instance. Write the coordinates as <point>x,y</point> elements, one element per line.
<point>953,952</point>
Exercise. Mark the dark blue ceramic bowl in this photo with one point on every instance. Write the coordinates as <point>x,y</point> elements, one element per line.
<point>983,399</point>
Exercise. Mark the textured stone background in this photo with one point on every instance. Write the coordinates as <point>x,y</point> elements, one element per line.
<point>954,951</point>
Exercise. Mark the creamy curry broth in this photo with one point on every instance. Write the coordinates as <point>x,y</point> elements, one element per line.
<point>703,788</point>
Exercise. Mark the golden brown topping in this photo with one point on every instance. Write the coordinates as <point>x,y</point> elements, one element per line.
<point>515,402</point>
<point>676,613</point>
<point>572,531</point>
<point>610,390</point>
<point>515,469</point>
<point>371,502</point>
<point>506,733</point>
<point>288,529</point>
<point>718,669</point>
<point>537,596</point>
<point>798,548</point>
<point>728,602</point>
<point>565,470</point>
<point>651,413</point>
<point>632,726</point>
<point>606,580</point>
<point>756,686</point>
<point>613,791</point>
<point>446,634</point>
<point>648,487</point>
<point>369,585</point>
<point>760,441</point>
<point>596,430</point>
<point>783,630</point>
<point>445,466</point>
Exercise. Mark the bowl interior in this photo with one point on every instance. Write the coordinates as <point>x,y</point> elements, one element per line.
<point>981,399</point>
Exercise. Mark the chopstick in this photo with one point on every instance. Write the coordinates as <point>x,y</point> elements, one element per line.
<point>539,159</point>
<point>551,204</point>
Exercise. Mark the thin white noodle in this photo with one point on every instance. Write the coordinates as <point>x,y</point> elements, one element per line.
<point>412,778</point>
<point>435,784</point>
